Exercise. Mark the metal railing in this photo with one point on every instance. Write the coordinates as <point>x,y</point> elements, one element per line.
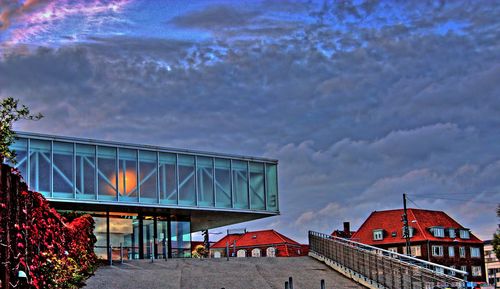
<point>382,267</point>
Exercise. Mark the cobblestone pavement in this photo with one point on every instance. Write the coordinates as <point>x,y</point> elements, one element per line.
<point>237,273</point>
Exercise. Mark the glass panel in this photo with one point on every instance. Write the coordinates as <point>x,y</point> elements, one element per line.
<point>168,178</point>
<point>107,173</point>
<point>272,187</point>
<point>240,185</point>
<point>127,176</point>
<point>63,170</point>
<point>205,173</point>
<point>40,166</point>
<point>85,172</point>
<point>121,231</point>
<point>187,194</point>
<point>223,183</point>
<point>147,187</point>
<point>20,147</point>
<point>257,186</point>
<point>148,233</point>
<point>162,235</point>
<point>181,239</point>
<point>100,234</point>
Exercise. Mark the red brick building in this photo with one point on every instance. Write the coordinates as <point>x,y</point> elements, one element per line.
<point>266,243</point>
<point>434,236</point>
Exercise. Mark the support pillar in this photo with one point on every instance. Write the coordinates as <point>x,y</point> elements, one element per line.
<point>141,237</point>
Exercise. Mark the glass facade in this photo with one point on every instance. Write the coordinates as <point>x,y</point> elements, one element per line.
<point>82,170</point>
<point>158,188</point>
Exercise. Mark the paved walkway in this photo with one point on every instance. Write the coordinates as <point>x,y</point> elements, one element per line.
<point>238,273</point>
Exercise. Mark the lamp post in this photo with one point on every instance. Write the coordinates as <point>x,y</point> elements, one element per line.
<point>406,229</point>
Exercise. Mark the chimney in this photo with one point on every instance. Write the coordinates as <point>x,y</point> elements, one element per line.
<point>347,228</point>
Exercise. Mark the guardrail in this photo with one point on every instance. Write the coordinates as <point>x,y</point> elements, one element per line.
<point>380,268</point>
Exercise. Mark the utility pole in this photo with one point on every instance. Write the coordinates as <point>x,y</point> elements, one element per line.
<point>406,227</point>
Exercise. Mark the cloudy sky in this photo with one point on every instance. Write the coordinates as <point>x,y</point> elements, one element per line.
<point>359,101</point>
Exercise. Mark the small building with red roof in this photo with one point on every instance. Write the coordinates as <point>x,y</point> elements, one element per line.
<point>434,237</point>
<point>265,243</point>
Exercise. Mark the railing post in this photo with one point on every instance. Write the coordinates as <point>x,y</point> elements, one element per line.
<point>151,251</point>
<point>121,253</point>
<point>110,255</point>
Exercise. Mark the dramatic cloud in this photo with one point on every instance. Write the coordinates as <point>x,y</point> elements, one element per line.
<point>359,102</point>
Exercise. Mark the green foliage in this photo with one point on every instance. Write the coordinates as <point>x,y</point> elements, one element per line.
<point>496,244</point>
<point>496,238</point>
<point>10,112</point>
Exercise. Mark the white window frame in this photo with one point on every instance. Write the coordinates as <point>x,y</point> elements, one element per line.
<point>439,270</point>
<point>475,252</point>
<point>452,273</point>
<point>463,268</point>
<point>416,251</point>
<point>476,271</point>
<point>461,251</point>
<point>440,250</point>
<point>464,234</point>
<point>438,232</point>
<point>451,251</point>
<point>452,233</point>
<point>378,235</point>
<point>393,249</point>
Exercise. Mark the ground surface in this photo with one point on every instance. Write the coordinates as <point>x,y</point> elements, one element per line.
<point>238,273</point>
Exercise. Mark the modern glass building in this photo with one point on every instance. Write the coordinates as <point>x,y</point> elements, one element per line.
<point>147,199</point>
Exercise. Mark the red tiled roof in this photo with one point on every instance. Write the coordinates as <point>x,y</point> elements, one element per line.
<point>254,239</point>
<point>420,220</point>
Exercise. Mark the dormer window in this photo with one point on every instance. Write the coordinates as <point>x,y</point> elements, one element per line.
<point>378,235</point>
<point>411,231</point>
<point>452,233</point>
<point>464,234</point>
<point>438,232</point>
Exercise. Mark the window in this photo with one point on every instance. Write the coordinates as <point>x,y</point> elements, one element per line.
<point>451,251</point>
<point>439,270</point>
<point>378,235</point>
<point>476,270</point>
<point>414,250</point>
<point>452,273</point>
<point>438,232</point>
<point>437,251</point>
<point>463,268</point>
<point>475,253</point>
<point>464,234</point>
<point>461,251</point>
<point>393,249</point>
<point>410,231</point>
<point>452,233</point>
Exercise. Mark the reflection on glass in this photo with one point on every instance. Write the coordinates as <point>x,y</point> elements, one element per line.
<point>272,187</point>
<point>127,176</point>
<point>162,236</point>
<point>257,186</point>
<point>107,172</point>
<point>204,173</point>
<point>181,239</point>
<point>100,233</point>
<point>85,172</point>
<point>121,232</point>
<point>240,185</point>
<point>63,170</point>
<point>187,194</point>
<point>168,179</point>
<point>148,173</point>
<point>20,147</point>
<point>40,166</point>
<point>223,183</point>
<point>148,234</point>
